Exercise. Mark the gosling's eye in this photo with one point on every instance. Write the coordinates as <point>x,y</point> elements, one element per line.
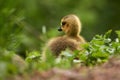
<point>63,23</point>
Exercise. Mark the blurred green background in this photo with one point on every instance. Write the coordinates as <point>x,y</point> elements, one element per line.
<point>26,25</point>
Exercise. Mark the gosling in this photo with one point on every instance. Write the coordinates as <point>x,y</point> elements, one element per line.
<point>72,40</point>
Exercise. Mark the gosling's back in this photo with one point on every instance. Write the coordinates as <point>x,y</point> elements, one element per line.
<point>59,44</point>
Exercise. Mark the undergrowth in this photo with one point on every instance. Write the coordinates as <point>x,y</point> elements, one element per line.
<point>95,52</point>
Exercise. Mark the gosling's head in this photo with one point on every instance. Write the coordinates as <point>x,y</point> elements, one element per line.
<point>71,25</point>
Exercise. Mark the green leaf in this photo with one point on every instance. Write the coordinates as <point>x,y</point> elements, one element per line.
<point>118,33</point>
<point>107,34</point>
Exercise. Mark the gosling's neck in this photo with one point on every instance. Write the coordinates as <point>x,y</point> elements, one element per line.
<point>74,36</point>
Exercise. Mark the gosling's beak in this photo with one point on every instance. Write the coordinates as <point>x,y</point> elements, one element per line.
<point>59,29</point>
